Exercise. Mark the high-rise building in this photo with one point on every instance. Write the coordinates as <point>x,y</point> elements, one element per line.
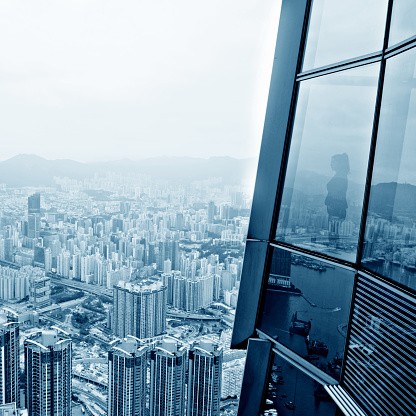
<point>232,377</point>
<point>64,264</point>
<point>168,365</point>
<point>48,260</point>
<point>211,211</point>
<point>8,249</point>
<point>199,292</point>
<point>179,291</point>
<point>48,366</point>
<point>9,361</point>
<point>279,276</point>
<point>14,284</point>
<point>167,266</point>
<point>139,310</point>
<point>33,204</point>
<point>327,295</point>
<point>127,378</point>
<point>167,279</point>
<point>33,215</point>
<point>205,375</point>
<point>39,289</point>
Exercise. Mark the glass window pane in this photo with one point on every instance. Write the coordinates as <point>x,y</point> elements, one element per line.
<point>390,237</point>
<point>292,393</point>
<point>403,21</point>
<point>340,30</point>
<point>307,308</point>
<point>381,366</point>
<point>324,185</point>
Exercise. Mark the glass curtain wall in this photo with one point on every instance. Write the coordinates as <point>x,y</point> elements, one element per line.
<point>339,281</point>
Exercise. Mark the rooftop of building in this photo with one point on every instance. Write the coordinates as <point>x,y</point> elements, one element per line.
<point>129,346</point>
<point>51,338</point>
<point>207,346</point>
<point>170,346</point>
<point>143,286</point>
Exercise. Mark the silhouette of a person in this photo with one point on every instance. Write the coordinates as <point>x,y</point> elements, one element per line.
<point>336,200</point>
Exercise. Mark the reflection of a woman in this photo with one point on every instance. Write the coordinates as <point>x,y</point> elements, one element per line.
<point>336,200</point>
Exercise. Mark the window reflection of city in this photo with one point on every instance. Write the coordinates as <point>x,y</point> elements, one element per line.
<point>307,308</point>
<point>291,393</point>
<point>323,192</point>
<point>390,237</point>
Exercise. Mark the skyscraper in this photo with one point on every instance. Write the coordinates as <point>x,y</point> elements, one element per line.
<point>33,215</point>
<point>211,210</point>
<point>139,310</point>
<point>167,279</point>
<point>328,289</point>
<point>167,377</point>
<point>48,366</point>
<point>179,291</point>
<point>9,361</point>
<point>127,378</point>
<point>33,204</point>
<point>205,375</point>
<point>8,249</point>
<point>199,292</point>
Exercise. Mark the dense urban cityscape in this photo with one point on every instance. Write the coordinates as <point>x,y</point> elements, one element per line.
<point>118,296</point>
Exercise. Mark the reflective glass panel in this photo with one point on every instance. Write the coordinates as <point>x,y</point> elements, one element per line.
<point>307,308</point>
<point>381,363</point>
<point>292,393</point>
<point>340,30</point>
<point>324,185</point>
<point>403,21</point>
<point>390,237</point>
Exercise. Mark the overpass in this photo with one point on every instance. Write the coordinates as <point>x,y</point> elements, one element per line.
<point>195,316</point>
<point>74,284</point>
<point>91,380</point>
<point>90,361</point>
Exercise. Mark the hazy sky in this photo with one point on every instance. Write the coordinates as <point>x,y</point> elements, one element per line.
<point>97,80</point>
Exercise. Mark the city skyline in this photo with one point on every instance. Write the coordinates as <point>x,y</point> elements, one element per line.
<point>92,82</point>
<point>114,255</point>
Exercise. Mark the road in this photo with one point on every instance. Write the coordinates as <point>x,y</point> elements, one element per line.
<point>90,361</point>
<point>65,326</point>
<point>187,315</point>
<point>74,284</point>
<point>69,304</point>
<point>94,399</point>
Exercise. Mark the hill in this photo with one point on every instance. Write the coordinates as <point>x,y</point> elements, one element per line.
<point>31,170</point>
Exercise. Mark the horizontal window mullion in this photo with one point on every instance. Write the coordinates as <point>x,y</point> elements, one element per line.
<point>400,47</point>
<point>333,261</point>
<point>341,66</point>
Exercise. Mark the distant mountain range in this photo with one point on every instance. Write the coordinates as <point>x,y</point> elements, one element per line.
<point>31,170</point>
<point>393,199</point>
